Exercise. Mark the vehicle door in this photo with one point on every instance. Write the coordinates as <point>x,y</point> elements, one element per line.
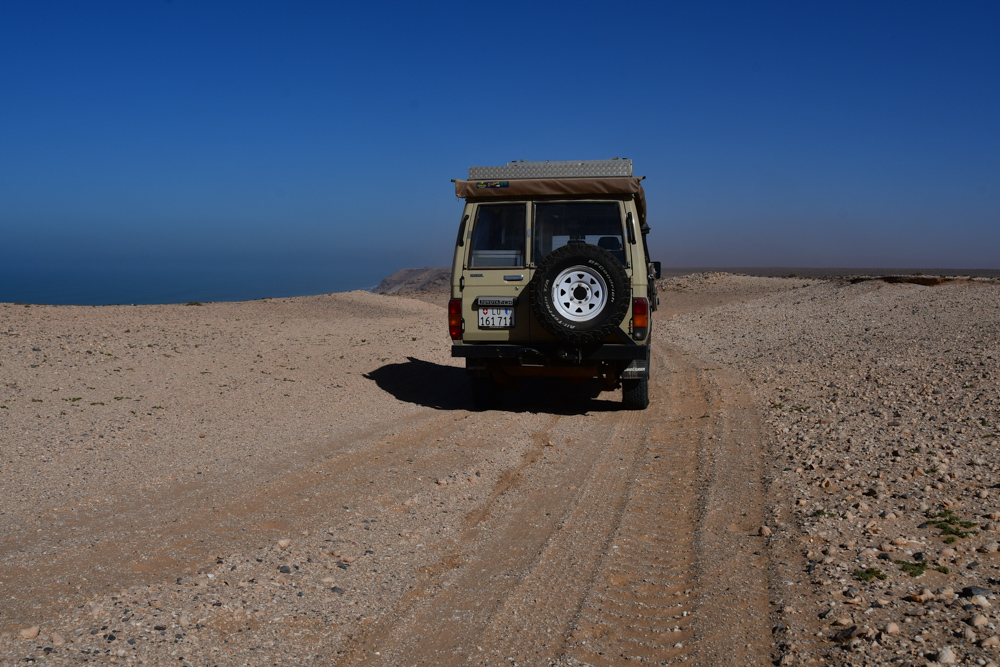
<point>495,304</point>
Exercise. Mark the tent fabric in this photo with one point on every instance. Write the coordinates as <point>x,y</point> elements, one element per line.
<point>554,187</point>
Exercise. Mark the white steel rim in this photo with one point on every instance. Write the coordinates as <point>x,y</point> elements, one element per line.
<point>579,293</point>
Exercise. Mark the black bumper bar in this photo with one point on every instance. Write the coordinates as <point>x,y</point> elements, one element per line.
<point>553,353</point>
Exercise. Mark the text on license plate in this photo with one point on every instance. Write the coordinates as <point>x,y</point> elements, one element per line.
<point>496,318</point>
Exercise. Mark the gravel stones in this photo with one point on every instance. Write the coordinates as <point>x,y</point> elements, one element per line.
<point>973,591</point>
<point>882,406</point>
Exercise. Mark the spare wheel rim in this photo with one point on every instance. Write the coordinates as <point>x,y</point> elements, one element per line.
<point>579,294</point>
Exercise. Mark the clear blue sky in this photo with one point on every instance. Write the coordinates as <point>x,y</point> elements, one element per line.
<point>771,133</point>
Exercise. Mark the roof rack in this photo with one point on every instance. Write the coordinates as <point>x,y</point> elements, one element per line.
<point>616,167</point>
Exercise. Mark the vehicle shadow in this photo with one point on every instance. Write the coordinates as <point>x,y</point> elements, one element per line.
<point>444,387</point>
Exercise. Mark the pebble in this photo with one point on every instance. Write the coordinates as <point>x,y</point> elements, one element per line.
<point>847,634</point>
<point>284,543</point>
<point>990,642</point>
<point>946,656</point>
<point>764,531</point>
<point>979,621</point>
<point>892,629</point>
<point>973,591</point>
<point>30,633</point>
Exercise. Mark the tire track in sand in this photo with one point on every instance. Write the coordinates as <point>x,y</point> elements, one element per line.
<point>617,559</point>
<point>443,626</point>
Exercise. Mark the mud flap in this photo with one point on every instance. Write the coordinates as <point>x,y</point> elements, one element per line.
<point>638,369</point>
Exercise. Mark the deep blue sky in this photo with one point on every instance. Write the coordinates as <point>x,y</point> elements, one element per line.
<point>316,133</point>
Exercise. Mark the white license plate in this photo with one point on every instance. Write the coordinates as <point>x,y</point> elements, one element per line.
<point>496,318</point>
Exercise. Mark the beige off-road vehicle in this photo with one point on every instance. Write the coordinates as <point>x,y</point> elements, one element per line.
<point>552,277</point>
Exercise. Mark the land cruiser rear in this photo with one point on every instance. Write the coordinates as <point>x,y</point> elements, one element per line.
<point>552,277</point>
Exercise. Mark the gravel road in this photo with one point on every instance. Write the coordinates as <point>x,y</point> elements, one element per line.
<point>304,481</point>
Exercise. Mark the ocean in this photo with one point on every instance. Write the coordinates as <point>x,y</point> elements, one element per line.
<point>178,283</point>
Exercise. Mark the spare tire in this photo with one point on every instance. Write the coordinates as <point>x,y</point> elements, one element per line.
<point>580,293</point>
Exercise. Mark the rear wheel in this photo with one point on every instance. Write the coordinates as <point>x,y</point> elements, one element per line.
<point>486,392</point>
<point>635,394</point>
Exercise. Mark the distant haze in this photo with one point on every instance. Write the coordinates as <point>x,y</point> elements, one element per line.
<point>322,137</point>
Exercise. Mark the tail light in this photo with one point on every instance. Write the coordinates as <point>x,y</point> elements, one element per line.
<point>455,318</point>
<point>640,319</point>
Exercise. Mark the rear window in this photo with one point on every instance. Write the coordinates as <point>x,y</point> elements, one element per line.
<point>498,236</point>
<point>561,223</point>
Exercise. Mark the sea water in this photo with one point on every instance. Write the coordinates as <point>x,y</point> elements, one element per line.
<point>179,282</point>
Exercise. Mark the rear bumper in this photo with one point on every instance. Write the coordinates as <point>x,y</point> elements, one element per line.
<point>552,353</point>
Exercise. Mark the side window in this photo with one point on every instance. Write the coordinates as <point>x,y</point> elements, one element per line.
<point>498,236</point>
<point>562,223</point>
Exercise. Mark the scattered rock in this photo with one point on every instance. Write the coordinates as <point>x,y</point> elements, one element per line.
<point>284,543</point>
<point>847,634</point>
<point>946,656</point>
<point>764,531</point>
<point>30,633</point>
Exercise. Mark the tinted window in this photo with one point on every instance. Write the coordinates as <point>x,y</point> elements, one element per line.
<point>561,223</point>
<point>498,235</point>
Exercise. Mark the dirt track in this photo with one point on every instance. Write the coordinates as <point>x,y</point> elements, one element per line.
<point>557,530</point>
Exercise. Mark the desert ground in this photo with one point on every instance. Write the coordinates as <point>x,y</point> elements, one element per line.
<point>304,481</point>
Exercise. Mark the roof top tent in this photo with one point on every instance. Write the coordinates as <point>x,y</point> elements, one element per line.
<point>556,178</point>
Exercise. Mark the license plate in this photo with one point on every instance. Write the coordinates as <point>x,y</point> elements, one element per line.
<point>496,318</point>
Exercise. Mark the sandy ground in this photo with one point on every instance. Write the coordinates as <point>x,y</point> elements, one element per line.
<point>304,481</point>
